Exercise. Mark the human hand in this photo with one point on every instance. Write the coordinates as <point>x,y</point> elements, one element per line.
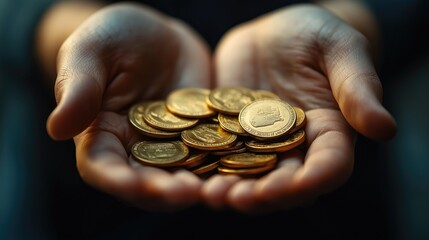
<point>121,55</point>
<point>313,60</point>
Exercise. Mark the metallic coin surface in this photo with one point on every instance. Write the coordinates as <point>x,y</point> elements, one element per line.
<point>282,145</point>
<point>228,130</point>
<point>230,123</point>
<point>248,160</point>
<point>267,118</point>
<point>300,119</point>
<point>195,158</point>
<point>237,147</point>
<point>264,94</point>
<point>238,144</point>
<point>229,151</point>
<point>135,116</point>
<point>230,100</point>
<point>208,136</point>
<point>160,153</point>
<point>205,168</point>
<point>157,115</point>
<point>246,172</point>
<point>290,142</point>
<point>189,103</point>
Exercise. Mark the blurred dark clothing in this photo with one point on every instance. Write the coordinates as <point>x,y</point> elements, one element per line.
<point>43,197</point>
<point>406,67</point>
<point>402,25</point>
<point>404,72</point>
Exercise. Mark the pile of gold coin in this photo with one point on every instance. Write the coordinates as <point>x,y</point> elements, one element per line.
<point>227,130</point>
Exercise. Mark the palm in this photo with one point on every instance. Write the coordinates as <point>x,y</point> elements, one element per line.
<point>122,55</point>
<point>298,53</point>
<point>125,54</point>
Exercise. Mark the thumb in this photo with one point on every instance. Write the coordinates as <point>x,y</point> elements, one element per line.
<point>358,90</point>
<point>234,59</point>
<point>79,89</point>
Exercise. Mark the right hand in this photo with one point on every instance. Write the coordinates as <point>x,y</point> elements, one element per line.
<point>314,60</point>
<point>123,54</point>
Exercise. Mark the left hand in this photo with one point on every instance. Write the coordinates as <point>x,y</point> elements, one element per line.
<point>123,54</point>
<point>313,60</point>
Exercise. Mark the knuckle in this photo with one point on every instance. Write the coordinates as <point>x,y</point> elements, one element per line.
<point>64,74</point>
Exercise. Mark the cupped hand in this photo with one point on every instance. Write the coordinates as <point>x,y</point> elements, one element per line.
<point>121,55</point>
<point>313,60</point>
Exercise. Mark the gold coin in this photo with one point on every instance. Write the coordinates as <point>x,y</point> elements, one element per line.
<point>230,100</point>
<point>267,118</point>
<point>246,172</point>
<point>238,144</point>
<point>229,151</point>
<point>264,94</point>
<point>248,160</point>
<point>230,123</point>
<point>135,116</point>
<point>189,103</point>
<point>195,158</point>
<point>206,167</point>
<point>291,141</point>
<point>208,136</point>
<point>160,153</point>
<point>300,119</point>
<point>157,116</point>
<point>238,147</point>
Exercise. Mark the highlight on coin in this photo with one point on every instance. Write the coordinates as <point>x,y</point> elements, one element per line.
<point>227,130</point>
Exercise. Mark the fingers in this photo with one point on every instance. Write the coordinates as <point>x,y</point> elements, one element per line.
<point>327,165</point>
<point>272,192</point>
<point>194,66</point>
<point>235,59</point>
<point>215,189</point>
<point>357,88</point>
<point>103,163</point>
<point>102,159</point>
<point>114,58</point>
<point>79,91</point>
<point>329,159</point>
<point>300,177</point>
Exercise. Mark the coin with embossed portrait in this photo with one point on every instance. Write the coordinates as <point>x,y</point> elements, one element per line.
<point>208,136</point>
<point>267,118</point>
<point>160,153</point>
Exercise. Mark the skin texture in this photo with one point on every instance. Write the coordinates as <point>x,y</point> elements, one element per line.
<point>121,55</point>
<point>314,60</point>
<point>126,53</point>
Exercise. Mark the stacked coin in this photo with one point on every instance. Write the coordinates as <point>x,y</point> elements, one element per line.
<point>228,130</point>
